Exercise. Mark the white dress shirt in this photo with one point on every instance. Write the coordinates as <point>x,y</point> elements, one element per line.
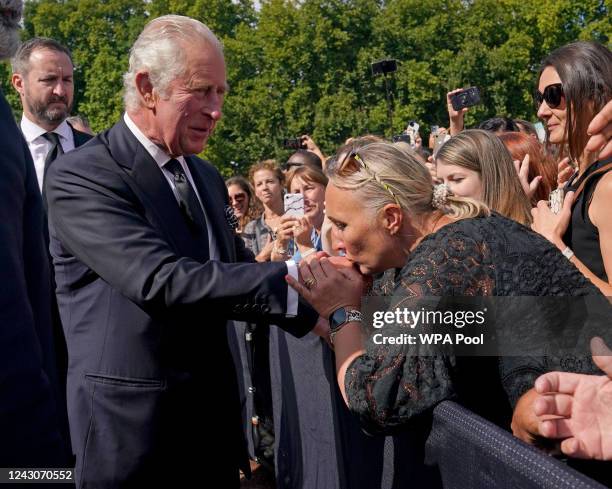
<point>39,146</point>
<point>161,158</point>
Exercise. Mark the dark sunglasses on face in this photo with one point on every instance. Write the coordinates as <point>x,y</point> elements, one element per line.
<point>553,95</point>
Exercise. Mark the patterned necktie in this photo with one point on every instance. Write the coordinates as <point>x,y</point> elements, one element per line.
<point>188,201</point>
<point>56,148</point>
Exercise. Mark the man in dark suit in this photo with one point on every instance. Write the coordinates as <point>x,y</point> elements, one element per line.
<point>29,426</point>
<point>43,76</point>
<point>145,267</point>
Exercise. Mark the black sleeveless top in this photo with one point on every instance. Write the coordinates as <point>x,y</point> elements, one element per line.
<point>582,236</point>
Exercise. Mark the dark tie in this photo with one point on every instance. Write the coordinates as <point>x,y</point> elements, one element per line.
<point>56,148</point>
<point>188,201</point>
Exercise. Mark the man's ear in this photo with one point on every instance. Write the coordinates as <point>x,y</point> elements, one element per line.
<point>392,218</point>
<point>18,83</point>
<point>145,89</point>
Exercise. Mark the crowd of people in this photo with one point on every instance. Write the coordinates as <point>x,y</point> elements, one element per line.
<point>150,308</point>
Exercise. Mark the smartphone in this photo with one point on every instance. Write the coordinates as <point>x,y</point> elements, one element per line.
<point>555,200</point>
<point>405,138</point>
<point>294,143</point>
<point>439,140</point>
<point>294,205</point>
<point>465,98</point>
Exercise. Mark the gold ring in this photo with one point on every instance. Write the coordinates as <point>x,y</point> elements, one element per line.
<point>310,283</point>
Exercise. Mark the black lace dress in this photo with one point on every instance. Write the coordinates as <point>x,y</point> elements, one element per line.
<point>487,256</point>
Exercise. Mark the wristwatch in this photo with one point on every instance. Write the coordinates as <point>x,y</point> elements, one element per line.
<point>340,317</point>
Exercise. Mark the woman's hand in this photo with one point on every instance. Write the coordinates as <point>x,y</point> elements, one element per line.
<point>312,147</point>
<point>327,288</point>
<point>552,226</point>
<point>564,172</point>
<point>455,116</point>
<point>322,329</point>
<point>522,170</point>
<point>266,252</point>
<point>302,231</point>
<point>284,231</point>
<point>524,420</point>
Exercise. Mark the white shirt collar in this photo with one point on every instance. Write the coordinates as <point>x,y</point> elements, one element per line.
<point>158,154</point>
<point>32,131</point>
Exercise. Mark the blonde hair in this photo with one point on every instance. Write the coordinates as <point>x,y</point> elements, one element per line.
<point>390,175</point>
<point>484,153</point>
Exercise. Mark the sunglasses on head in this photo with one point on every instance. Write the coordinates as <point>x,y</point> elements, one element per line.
<point>553,95</point>
<point>353,156</point>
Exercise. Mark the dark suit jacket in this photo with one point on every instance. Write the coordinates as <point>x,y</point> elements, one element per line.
<point>29,429</point>
<point>59,341</point>
<point>151,384</point>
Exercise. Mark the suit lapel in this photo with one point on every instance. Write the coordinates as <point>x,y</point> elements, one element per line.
<point>214,204</point>
<point>153,188</point>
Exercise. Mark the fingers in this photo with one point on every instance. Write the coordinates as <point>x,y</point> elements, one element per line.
<point>563,176</point>
<point>557,382</point>
<point>602,356</point>
<point>567,202</point>
<point>575,448</point>
<point>600,143</point>
<point>347,272</point>
<point>298,287</point>
<point>340,262</point>
<point>553,404</point>
<point>555,428</point>
<point>534,184</point>
<point>602,120</point>
<point>317,270</point>
<point>524,170</point>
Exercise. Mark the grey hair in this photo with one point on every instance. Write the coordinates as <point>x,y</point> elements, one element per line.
<point>160,51</point>
<point>10,16</point>
<point>395,175</point>
<point>21,61</point>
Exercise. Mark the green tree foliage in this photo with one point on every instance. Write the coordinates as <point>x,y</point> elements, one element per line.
<point>297,67</point>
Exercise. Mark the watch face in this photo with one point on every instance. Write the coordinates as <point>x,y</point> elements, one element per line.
<point>337,318</point>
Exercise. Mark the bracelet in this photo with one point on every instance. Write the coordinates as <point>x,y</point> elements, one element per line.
<point>308,252</point>
<point>568,253</point>
<point>280,251</point>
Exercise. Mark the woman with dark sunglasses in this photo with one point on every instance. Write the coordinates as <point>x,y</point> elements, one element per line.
<point>574,84</point>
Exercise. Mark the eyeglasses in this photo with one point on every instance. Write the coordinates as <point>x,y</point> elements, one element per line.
<point>353,155</point>
<point>553,95</point>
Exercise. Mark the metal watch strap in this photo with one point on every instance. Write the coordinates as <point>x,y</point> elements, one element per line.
<point>352,316</point>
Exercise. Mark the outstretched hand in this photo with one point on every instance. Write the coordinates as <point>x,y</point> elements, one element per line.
<point>583,405</point>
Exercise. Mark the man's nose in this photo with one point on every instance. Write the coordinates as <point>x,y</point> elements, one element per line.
<point>60,89</point>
